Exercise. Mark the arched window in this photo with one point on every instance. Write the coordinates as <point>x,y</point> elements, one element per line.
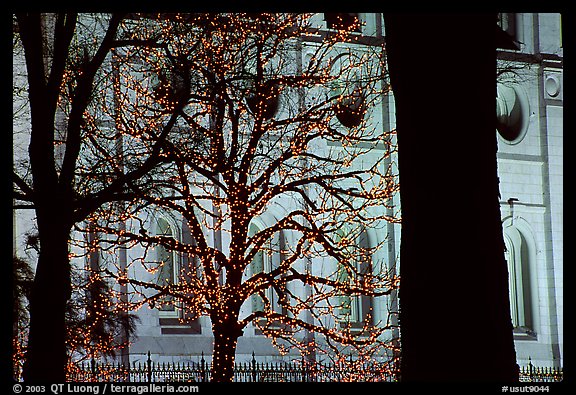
<point>176,318</point>
<point>520,281</point>
<point>167,268</point>
<point>258,266</point>
<point>355,310</point>
<point>186,319</point>
<point>266,260</point>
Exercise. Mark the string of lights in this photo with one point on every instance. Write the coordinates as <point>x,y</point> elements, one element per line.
<point>223,116</point>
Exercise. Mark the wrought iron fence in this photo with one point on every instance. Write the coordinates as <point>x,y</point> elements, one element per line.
<point>253,371</point>
<point>532,374</point>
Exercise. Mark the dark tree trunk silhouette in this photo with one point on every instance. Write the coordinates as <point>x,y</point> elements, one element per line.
<point>57,205</point>
<point>454,304</point>
<point>46,355</point>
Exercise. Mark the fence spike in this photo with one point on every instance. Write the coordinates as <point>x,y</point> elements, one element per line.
<point>149,373</point>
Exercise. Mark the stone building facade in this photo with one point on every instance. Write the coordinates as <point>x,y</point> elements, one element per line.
<point>530,164</point>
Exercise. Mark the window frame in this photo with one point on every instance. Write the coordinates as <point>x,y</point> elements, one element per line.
<point>270,261</point>
<point>175,310</point>
<point>523,312</point>
<point>361,307</point>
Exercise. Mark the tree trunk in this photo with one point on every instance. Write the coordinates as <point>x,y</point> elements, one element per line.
<point>226,334</point>
<point>454,304</point>
<point>46,356</point>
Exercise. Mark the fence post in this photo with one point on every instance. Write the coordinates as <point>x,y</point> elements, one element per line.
<point>93,369</point>
<point>149,368</point>
<point>202,368</point>
<point>128,377</point>
<point>530,369</point>
<point>253,367</point>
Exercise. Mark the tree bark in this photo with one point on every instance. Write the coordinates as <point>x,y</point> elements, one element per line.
<point>454,304</point>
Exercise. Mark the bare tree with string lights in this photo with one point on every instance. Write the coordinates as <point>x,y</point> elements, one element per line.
<point>273,173</point>
<point>67,162</point>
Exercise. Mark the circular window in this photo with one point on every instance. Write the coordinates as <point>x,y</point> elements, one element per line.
<point>266,103</point>
<point>512,113</point>
<point>169,84</point>
<point>350,104</point>
<point>552,86</point>
<point>350,109</point>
